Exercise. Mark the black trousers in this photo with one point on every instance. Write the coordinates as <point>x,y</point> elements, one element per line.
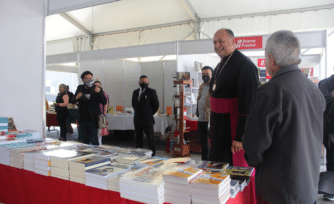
<point>61,118</point>
<point>221,138</point>
<point>329,145</point>
<point>88,133</point>
<point>204,135</point>
<point>150,137</point>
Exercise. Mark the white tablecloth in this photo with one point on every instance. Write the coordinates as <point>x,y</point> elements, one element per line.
<point>125,122</point>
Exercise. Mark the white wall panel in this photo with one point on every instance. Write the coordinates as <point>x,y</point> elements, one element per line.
<point>131,79</point>
<point>22,61</point>
<point>113,81</point>
<point>169,71</point>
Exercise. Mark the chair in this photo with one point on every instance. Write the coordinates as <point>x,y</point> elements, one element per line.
<point>326,183</point>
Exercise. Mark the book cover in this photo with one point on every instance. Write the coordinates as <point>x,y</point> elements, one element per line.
<point>239,171</point>
<point>91,160</point>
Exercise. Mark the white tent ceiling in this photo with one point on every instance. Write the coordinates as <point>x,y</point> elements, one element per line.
<point>128,15</point>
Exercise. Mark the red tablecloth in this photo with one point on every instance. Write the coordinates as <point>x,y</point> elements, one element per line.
<point>51,119</point>
<point>19,186</point>
<point>191,124</point>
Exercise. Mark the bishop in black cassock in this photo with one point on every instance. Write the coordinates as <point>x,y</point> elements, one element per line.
<point>232,88</point>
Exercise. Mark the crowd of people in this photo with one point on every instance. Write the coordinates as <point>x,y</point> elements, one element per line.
<point>278,128</point>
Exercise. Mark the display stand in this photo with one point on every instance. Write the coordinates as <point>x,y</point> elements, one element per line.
<point>181,149</point>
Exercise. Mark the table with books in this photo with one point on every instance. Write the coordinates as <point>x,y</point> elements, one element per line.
<point>125,122</point>
<point>68,172</point>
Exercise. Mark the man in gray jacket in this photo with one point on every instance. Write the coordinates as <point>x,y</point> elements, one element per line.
<point>284,132</point>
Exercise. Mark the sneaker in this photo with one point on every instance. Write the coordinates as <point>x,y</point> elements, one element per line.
<point>328,197</point>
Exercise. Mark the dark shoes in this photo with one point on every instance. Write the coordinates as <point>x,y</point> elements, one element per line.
<point>62,139</point>
<point>328,197</point>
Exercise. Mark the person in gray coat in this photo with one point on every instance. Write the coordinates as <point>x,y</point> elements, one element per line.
<point>284,132</point>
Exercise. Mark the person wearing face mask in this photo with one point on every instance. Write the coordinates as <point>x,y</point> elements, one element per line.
<point>61,109</point>
<point>203,112</point>
<point>145,104</point>
<point>88,98</point>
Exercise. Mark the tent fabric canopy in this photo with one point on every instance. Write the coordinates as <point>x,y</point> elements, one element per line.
<point>130,23</point>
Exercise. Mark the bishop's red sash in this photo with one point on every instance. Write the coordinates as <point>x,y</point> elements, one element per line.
<point>230,105</point>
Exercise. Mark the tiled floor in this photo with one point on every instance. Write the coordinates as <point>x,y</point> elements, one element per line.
<point>117,140</point>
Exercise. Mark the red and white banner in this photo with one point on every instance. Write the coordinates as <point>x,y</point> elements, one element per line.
<point>246,43</point>
<point>261,62</point>
<point>268,76</point>
<point>310,72</point>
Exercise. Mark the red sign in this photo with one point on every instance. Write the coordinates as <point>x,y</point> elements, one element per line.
<point>261,62</point>
<point>247,43</point>
<point>268,76</point>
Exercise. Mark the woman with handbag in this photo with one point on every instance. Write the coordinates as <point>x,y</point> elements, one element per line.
<point>102,131</point>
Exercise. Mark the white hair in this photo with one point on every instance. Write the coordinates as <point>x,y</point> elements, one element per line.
<point>284,46</point>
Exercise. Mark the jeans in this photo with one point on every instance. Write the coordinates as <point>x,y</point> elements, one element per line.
<point>88,133</point>
<point>204,135</point>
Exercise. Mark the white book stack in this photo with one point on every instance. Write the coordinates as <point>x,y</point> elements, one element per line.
<point>123,150</point>
<point>150,162</point>
<point>130,159</point>
<point>60,161</point>
<point>145,185</point>
<point>5,151</point>
<point>77,167</point>
<point>235,188</point>
<point>107,147</point>
<point>210,187</point>
<point>177,184</point>
<point>17,155</point>
<point>142,152</point>
<point>28,159</point>
<point>111,154</point>
<point>97,177</point>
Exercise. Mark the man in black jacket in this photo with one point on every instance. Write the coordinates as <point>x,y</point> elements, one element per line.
<point>326,86</point>
<point>283,134</point>
<point>145,104</point>
<point>89,98</point>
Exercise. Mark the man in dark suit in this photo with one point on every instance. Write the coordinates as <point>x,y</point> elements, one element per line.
<point>145,104</point>
<point>326,86</point>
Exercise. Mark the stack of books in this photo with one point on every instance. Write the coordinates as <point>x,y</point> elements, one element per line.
<point>150,162</point>
<point>210,187</point>
<point>235,188</point>
<point>77,167</point>
<point>240,174</point>
<point>17,155</point>
<point>5,151</point>
<point>213,166</point>
<point>60,161</point>
<point>177,184</point>
<point>29,161</point>
<point>97,177</point>
<point>111,154</point>
<point>142,152</point>
<point>145,185</point>
<point>42,162</point>
<point>130,159</point>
